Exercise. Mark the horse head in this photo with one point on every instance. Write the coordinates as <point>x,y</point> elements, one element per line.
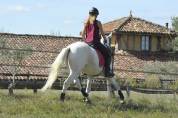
<point>108,40</point>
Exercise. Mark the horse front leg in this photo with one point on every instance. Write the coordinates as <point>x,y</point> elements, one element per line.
<point>117,87</point>
<point>85,92</point>
<point>110,89</point>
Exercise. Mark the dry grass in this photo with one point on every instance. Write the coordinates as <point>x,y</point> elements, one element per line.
<point>25,104</point>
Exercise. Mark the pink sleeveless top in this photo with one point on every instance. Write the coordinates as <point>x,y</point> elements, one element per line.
<point>92,33</point>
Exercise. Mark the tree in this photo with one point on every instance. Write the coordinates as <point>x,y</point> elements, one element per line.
<point>175,27</point>
<point>175,23</point>
<point>16,56</point>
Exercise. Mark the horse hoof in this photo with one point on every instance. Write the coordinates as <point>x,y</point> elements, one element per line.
<point>86,100</point>
<point>62,101</point>
<point>121,101</point>
<point>62,97</point>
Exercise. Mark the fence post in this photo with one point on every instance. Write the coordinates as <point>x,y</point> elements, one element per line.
<point>12,85</point>
<point>10,88</point>
<point>27,81</point>
<point>128,90</point>
<point>34,87</point>
<point>110,90</point>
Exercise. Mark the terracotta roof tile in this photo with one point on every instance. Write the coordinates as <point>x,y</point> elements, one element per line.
<point>131,64</point>
<point>115,24</point>
<point>40,44</point>
<point>45,49</point>
<point>138,25</point>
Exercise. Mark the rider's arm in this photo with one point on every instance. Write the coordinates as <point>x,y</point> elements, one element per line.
<point>101,30</point>
<point>84,32</point>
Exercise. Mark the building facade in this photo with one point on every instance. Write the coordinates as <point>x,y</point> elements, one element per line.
<point>139,42</point>
<point>136,34</point>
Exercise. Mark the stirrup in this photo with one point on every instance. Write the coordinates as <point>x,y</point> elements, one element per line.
<point>109,74</point>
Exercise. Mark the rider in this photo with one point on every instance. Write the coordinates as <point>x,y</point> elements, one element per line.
<point>92,34</point>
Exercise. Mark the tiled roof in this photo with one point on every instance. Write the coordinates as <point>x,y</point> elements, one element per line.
<point>137,25</point>
<point>45,49</point>
<point>123,63</point>
<point>131,64</point>
<point>115,24</point>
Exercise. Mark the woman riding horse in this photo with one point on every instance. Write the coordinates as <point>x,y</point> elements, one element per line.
<point>92,32</point>
<point>81,58</point>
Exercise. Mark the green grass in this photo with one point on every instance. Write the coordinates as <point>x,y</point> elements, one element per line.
<point>25,104</point>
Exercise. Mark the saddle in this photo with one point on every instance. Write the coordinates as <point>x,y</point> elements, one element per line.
<point>100,56</point>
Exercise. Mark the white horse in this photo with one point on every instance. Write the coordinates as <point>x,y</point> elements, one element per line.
<point>79,57</point>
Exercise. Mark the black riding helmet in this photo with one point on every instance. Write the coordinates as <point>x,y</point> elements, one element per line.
<point>94,11</point>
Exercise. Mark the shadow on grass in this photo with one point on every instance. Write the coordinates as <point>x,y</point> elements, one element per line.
<point>142,107</point>
<point>98,102</point>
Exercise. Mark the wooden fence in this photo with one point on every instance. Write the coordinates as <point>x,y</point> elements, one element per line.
<point>36,81</point>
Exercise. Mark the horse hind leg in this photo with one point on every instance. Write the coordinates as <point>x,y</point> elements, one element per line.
<point>72,76</point>
<point>88,88</point>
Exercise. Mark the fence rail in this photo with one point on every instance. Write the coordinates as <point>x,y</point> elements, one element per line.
<point>147,72</point>
<point>97,84</point>
<point>36,81</point>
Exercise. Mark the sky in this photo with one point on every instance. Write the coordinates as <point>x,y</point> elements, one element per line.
<point>66,17</point>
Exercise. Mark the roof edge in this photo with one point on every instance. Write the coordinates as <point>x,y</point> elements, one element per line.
<point>138,18</point>
<point>38,35</point>
<point>114,20</point>
<point>171,33</point>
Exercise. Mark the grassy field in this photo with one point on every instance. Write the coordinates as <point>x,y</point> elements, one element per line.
<point>25,104</point>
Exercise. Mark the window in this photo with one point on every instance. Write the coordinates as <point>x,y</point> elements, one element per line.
<point>145,46</point>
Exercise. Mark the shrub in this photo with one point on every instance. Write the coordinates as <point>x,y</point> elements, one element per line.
<point>152,81</point>
<point>160,67</point>
<point>131,82</point>
<point>174,86</point>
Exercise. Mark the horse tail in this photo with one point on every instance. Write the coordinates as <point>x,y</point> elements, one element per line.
<point>60,59</point>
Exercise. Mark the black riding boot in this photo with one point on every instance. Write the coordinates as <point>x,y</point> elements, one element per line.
<point>108,72</point>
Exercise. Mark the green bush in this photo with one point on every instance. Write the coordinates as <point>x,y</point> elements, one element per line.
<point>175,45</point>
<point>174,86</point>
<point>131,82</point>
<point>152,81</point>
<point>169,68</point>
<point>175,27</point>
<point>162,67</point>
